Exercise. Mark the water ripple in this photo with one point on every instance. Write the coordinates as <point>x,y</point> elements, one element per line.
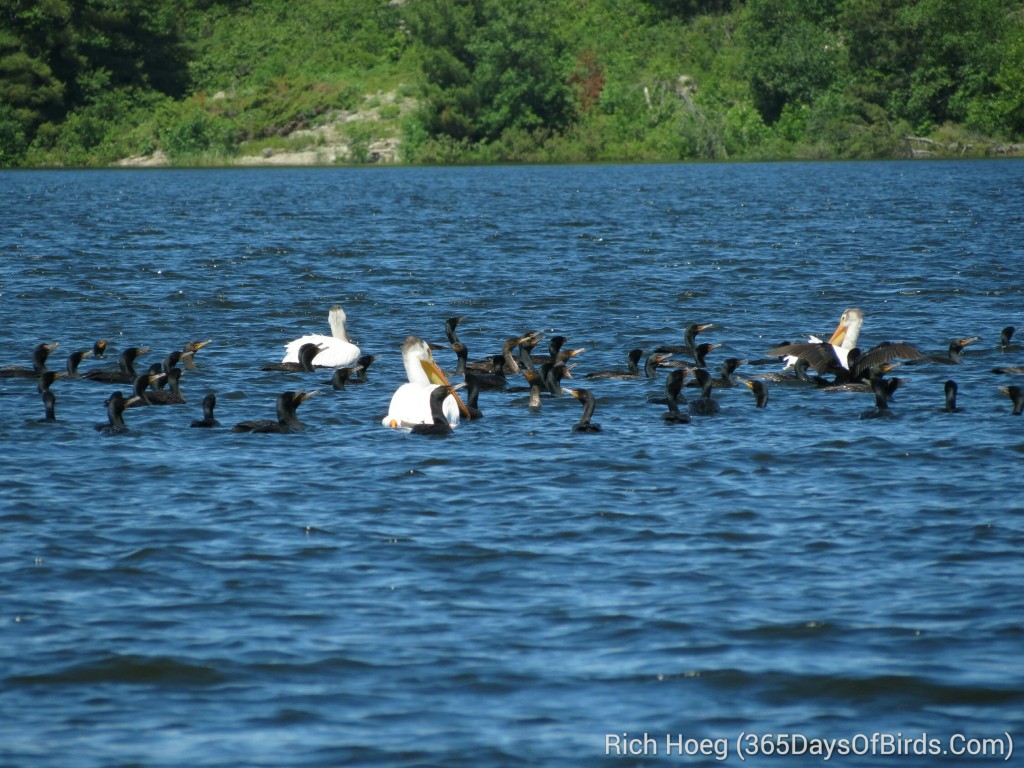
<point>508,595</point>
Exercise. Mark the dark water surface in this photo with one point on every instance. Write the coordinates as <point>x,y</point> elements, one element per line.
<point>516,594</point>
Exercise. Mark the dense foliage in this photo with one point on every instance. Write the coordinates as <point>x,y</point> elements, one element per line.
<point>87,82</point>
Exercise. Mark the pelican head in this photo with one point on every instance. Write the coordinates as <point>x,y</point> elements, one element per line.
<point>421,369</point>
<point>848,331</point>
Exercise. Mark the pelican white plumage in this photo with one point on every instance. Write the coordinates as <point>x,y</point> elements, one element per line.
<point>410,405</point>
<point>336,350</point>
<point>846,334</point>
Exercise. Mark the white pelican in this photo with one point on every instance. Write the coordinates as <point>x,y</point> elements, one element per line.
<point>840,354</point>
<point>842,341</point>
<point>410,405</point>
<point>336,350</point>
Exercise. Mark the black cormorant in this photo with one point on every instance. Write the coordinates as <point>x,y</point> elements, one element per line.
<point>451,326</point>
<point>632,368</point>
<point>689,345</point>
<point>533,378</point>
<point>955,356</point>
<point>173,394</point>
<point>124,373</point>
<point>728,370</point>
<point>880,389</point>
<point>705,405</point>
<point>39,354</point>
<point>140,395</point>
<point>46,378</point>
<point>673,390</point>
<point>287,421</point>
<point>950,388</point>
<point>115,415</point>
<point>473,395</point>
<point>49,405</point>
<point>74,360</point>
<point>188,353</point>
<point>760,390</point>
<point>208,420</point>
<point>586,397</point>
<point>305,362</point>
<point>1016,395</point>
<point>439,426</point>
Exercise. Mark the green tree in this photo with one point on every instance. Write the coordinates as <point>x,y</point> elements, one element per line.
<point>879,53</point>
<point>312,41</point>
<point>12,137</point>
<point>33,45</point>
<point>1004,111</point>
<point>491,67</point>
<point>57,55</point>
<point>928,61</point>
<point>691,8</point>
<point>84,82</point>
<point>793,52</point>
<point>955,56</point>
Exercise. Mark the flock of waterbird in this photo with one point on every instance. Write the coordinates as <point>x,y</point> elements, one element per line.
<point>429,403</point>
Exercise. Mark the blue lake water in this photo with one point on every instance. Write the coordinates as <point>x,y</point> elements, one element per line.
<point>515,594</point>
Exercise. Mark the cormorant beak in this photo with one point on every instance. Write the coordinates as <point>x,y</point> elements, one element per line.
<point>302,396</point>
<point>196,346</point>
<point>701,327</point>
<point>569,356</point>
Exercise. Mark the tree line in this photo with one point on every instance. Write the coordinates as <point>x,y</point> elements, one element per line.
<point>87,82</point>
